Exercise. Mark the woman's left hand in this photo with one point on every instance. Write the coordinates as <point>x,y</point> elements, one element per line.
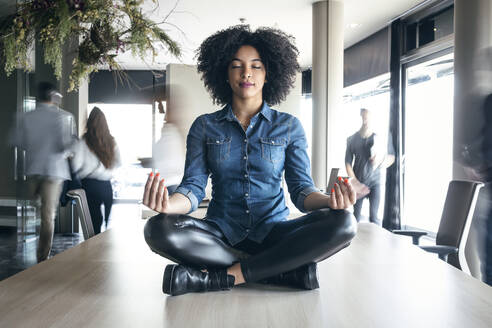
<point>342,195</point>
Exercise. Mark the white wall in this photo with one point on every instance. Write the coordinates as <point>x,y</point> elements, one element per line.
<point>186,94</point>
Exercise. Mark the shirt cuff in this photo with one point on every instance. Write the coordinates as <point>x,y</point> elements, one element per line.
<point>302,196</point>
<point>189,194</point>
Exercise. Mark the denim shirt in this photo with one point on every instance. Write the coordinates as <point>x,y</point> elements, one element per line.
<point>246,170</point>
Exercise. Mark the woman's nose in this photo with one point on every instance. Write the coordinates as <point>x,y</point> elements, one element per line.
<point>246,73</point>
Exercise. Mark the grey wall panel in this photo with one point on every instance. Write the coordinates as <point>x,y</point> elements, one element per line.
<point>367,58</point>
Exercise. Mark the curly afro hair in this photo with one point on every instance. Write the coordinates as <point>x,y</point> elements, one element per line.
<point>277,51</point>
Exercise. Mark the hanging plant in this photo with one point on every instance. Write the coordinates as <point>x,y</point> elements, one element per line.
<point>103,28</point>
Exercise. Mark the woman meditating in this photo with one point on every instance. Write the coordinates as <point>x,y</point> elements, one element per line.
<point>246,147</point>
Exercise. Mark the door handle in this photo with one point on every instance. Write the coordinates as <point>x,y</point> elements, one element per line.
<point>15,163</point>
<point>24,165</point>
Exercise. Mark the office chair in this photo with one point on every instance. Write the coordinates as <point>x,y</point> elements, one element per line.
<point>82,211</point>
<point>454,227</point>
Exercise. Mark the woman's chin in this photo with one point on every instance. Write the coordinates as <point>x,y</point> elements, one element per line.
<point>247,94</point>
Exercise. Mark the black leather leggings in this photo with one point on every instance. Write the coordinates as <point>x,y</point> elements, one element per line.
<point>289,245</point>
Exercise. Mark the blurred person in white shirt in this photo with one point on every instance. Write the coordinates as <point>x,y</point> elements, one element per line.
<point>168,153</point>
<point>95,157</point>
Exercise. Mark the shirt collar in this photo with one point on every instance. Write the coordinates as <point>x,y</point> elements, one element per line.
<point>226,113</point>
<point>45,106</point>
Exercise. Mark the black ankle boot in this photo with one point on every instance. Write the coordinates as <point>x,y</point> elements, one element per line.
<point>179,279</point>
<point>304,277</point>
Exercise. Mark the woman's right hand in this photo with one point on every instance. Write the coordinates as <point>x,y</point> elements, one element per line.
<point>156,196</point>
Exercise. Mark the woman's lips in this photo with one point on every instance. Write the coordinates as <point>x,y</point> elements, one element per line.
<point>246,84</point>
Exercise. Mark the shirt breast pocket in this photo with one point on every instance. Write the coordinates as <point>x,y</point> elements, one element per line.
<point>273,149</point>
<point>218,149</point>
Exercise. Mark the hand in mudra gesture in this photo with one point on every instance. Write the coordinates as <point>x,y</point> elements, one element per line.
<point>343,194</point>
<point>156,196</point>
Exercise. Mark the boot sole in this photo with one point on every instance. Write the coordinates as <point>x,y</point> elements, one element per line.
<point>167,278</point>
<point>313,282</point>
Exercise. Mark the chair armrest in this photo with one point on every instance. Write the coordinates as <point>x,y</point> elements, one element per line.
<point>441,250</point>
<point>415,234</point>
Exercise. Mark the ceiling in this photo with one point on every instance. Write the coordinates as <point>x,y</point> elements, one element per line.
<point>192,21</point>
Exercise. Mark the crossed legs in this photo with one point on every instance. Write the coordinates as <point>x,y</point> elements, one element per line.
<point>290,244</point>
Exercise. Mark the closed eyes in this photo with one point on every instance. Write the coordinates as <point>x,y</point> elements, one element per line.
<point>238,66</point>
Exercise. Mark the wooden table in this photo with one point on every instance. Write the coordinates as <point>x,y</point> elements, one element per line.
<point>114,280</point>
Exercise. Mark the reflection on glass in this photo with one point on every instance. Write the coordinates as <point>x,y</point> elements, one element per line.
<point>436,27</point>
<point>428,141</point>
<point>429,29</point>
<point>411,37</point>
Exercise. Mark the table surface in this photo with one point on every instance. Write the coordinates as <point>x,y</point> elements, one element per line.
<point>114,280</point>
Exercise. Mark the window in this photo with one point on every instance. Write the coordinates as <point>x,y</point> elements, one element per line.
<point>436,27</point>
<point>428,141</point>
<point>428,29</point>
<point>131,126</point>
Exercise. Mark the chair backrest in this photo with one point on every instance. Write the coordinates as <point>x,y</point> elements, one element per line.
<point>83,211</point>
<point>456,219</point>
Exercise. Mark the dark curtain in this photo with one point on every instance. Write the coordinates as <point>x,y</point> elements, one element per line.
<point>392,206</point>
<point>306,82</point>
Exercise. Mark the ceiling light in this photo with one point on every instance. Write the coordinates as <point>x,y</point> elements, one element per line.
<point>354,25</point>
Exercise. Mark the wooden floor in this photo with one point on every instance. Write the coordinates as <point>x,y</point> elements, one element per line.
<point>114,280</point>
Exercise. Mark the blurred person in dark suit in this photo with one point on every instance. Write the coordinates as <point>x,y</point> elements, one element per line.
<point>476,161</point>
<point>484,173</point>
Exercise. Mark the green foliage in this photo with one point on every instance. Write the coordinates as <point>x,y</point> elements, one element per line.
<point>103,27</point>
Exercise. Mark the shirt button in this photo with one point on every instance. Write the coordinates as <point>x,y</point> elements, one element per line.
<point>245,175</point>
<point>273,142</point>
<point>246,195</point>
<point>247,230</point>
<point>245,157</point>
<point>245,140</point>
<point>247,211</point>
<point>217,141</point>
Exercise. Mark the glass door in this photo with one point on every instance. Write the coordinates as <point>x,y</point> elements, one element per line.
<point>427,139</point>
<point>133,129</point>
<point>28,218</point>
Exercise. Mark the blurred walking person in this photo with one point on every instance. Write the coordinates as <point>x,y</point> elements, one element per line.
<point>95,157</point>
<point>46,134</point>
<point>168,153</point>
<point>365,157</point>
